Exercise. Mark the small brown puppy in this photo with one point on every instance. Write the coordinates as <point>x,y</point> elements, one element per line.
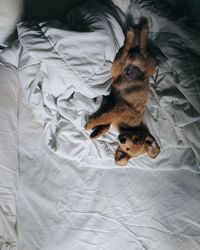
<point>125,106</point>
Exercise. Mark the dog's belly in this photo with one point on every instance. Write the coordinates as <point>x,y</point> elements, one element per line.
<point>132,72</point>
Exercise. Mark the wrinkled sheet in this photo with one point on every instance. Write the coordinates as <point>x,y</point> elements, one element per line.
<point>64,70</point>
<point>10,14</point>
<point>9,168</point>
<point>70,195</point>
<point>62,204</point>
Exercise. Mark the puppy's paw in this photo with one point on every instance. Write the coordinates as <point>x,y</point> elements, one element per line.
<point>152,147</point>
<point>88,125</point>
<point>99,131</point>
<point>144,23</point>
<point>95,134</point>
<point>121,158</point>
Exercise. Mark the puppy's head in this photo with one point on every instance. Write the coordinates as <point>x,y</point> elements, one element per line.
<point>134,143</point>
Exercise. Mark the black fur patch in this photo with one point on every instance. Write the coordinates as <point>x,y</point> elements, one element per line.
<point>132,72</point>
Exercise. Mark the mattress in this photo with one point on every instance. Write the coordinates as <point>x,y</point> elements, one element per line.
<point>60,190</point>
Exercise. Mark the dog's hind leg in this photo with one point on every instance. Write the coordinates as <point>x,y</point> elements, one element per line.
<point>99,131</point>
<point>150,60</point>
<point>120,58</point>
<point>129,41</point>
<point>144,36</point>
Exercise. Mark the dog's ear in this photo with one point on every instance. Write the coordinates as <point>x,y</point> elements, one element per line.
<point>151,147</point>
<point>121,158</point>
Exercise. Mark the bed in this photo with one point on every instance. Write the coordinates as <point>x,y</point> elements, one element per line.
<point>59,190</point>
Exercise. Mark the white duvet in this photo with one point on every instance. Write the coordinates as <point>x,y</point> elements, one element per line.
<point>70,195</point>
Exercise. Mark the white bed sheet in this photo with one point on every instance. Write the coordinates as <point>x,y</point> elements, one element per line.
<point>9,169</point>
<point>68,203</point>
<point>63,205</point>
<point>10,13</point>
<point>64,76</point>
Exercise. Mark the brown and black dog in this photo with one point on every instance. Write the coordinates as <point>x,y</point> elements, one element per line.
<point>125,106</point>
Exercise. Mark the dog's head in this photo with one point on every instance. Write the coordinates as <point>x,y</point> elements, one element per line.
<point>133,143</point>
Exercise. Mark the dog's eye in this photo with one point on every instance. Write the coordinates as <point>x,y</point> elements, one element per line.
<point>148,143</point>
<point>122,140</point>
<point>127,149</point>
<point>136,140</point>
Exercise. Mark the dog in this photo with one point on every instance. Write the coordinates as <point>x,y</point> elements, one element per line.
<point>125,106</point>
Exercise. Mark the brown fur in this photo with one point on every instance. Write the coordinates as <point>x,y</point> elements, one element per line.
<point>126,103</point>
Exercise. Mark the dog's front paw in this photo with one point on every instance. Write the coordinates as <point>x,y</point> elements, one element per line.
<point>121,158</point>
<point>152,147</point>
<point>95,134</point>
<point>88,125</point>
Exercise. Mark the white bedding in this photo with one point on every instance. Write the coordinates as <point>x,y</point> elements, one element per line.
<point>8,156</point>
<point>70,195</point>
<point>10,14</point>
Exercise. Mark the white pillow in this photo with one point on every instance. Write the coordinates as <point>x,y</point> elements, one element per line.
<point>10,13</point>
